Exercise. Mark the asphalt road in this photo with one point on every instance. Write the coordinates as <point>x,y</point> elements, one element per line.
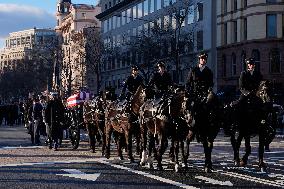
<point>26,166</point>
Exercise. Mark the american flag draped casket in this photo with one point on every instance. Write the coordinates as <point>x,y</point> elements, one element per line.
<point>77,99</point>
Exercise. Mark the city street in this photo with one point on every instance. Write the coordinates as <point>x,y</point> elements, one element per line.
<point>26,166</point>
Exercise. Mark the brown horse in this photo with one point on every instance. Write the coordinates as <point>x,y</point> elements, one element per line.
<point>94,118</point>
<point>159,121</point>
<point>121,117</point>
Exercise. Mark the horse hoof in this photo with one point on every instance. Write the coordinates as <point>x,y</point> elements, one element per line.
<point>150,166</point>
<point>177,168</point>
<point>243,163</point>
<point>107,156</point>
<point>160,168</point>
<point>184,165</point>
<point>237,163</point>
<point>208,169</point>
<point>131,159</point>
<point>121,158</point>
<point>142,163</point>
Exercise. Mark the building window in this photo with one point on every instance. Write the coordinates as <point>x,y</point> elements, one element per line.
<point>225,6</point>
<point>140,10</point>
<point>146,7</point>
<point>105,6</point>
<point>256,56</point>
<point>235,5</point>
<point>235,31</point>
<point>224,65</point>
<point>271,25</point>
<point>245,29</point>
<point>152,6</point>
<point>274,60</point>
<point>159,4</point>
<point>271,1</point>
<point>199,11</point>
<point>190,14</point>
<point>234,64</point>
<point>243,62</point>
<point>200,40</point>
<point>109,4</point>
<point>245,3</point>
<point>225,33</point>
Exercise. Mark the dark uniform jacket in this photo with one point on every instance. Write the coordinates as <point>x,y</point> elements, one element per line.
<point>54,112</point>
<point>199,82</point>
<point>249,82</point>
<point>161,82</point>
<point>37,111</point>
<point>132,84</point>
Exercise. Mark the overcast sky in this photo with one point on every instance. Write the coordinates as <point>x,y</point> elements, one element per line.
<point>17,15</point>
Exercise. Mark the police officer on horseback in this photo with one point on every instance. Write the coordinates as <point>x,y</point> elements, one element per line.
<point>161,80</point>
<point>131,83</point>
<point>200,79</point>
<point>249,80</point>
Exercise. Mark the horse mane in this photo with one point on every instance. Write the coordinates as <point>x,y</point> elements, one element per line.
<point>265,91</point>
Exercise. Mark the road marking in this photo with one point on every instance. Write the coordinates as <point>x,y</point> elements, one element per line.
<point>74,173</point>
<point>252,179</point>
<point>213,181</point>
<point>168,181</point>
<point>21,147</point>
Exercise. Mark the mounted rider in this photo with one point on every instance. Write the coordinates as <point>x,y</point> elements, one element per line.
<point>249,81</point>
<point>131,83</point>
<point>162,81</point>
<point>200,81</point>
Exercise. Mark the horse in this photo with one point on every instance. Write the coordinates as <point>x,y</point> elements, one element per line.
<point>94,118</point>
<point>121,117</point>
<point>203,115</point>
<point>158,121</point>
<point>253,117</point>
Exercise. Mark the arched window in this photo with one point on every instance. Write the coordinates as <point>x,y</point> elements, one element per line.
<point>234,64</point>
<point>243,58</point>
<point>274,61</point>
<point>256,56</point>
<point>224,66</point>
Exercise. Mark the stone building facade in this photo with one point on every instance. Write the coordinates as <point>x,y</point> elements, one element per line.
<point>253,28</point>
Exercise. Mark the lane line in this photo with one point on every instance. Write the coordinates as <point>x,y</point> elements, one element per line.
<point>168,181</point>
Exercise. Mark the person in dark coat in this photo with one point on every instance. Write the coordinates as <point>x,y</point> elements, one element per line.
<point>54,118</point>
<point>161,80</point>
<point>249,80</point>
<point>200,79</point>
<point>131,83</point>
<point>37,120</point>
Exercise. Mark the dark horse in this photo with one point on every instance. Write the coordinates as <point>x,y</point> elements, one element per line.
<point>251,117</point>
<point>158,121</point>
<point>203,117</point>
<point>122,117</point>
<point>94,118</point>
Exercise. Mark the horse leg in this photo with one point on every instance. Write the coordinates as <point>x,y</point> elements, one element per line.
<point>185,152</point>
<point>177,145</point>
<point>120,142</point>
<point>261,163</point>
<point>103,135</point>
<point>108,138</point>
<point>172,150</point>
<point>150,148</point>
<point>128,138</point>
<point>236,147</point>
<point>143,155</point>
<point>208,146</point>
<point>161,151</point>
<point>92,136</point>
<point>244,160</point>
